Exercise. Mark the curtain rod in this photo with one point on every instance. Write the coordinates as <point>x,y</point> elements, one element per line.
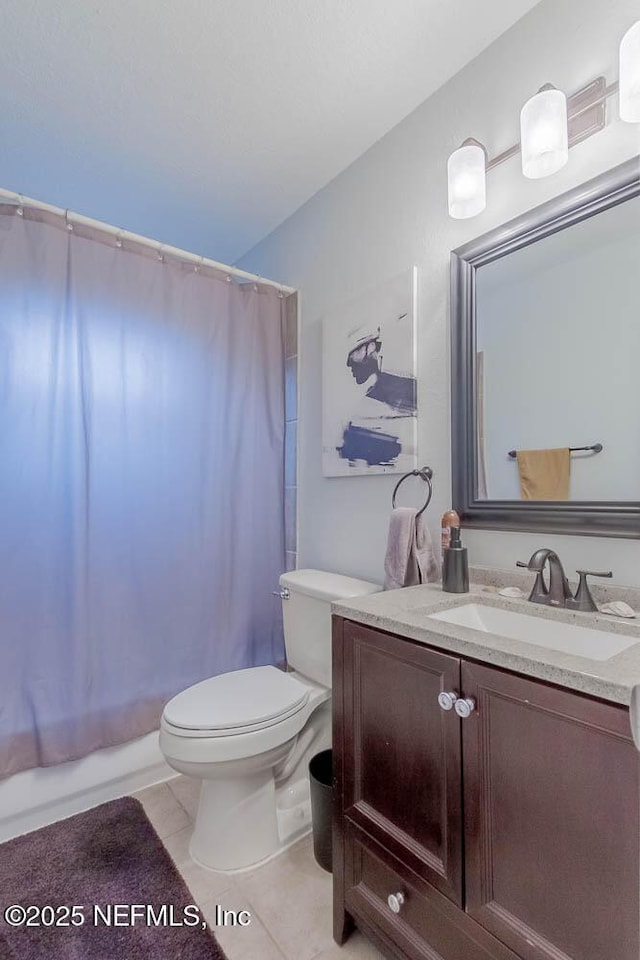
<point>21,200</point>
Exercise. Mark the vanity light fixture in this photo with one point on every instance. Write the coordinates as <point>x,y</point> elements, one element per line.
<point>466,174</point>
<point>629,75</point>
<point>544,136</point>
<point>550,123</point>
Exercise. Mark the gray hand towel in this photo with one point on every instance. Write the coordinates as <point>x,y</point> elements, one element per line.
<point>428,566</point>
<point>409,558</point>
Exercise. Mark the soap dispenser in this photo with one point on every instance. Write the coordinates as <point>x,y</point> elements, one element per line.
<point>455,565</point>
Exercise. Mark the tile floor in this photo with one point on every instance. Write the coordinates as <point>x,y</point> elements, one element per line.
<point>289,898</point>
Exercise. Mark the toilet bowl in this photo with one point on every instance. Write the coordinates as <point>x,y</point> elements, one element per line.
<point>248,735</point>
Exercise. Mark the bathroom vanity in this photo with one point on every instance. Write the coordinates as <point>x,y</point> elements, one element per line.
<point>487,787</point>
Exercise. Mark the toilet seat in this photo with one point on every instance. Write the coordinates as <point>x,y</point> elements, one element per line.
<point>236,703</point>
<point>195,746</point>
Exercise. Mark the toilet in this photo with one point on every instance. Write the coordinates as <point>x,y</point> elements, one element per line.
<point>248,735</point>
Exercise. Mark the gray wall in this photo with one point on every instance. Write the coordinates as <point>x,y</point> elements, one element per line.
<point>388,211</point>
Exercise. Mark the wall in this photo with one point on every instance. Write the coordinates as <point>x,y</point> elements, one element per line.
<point>388,211</point>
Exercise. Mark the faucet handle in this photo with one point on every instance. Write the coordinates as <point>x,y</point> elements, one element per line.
<point>583,600</point>
<point>522,563</point>
<point>594,573</point>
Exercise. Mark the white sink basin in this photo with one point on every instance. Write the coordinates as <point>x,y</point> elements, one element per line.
<point>565,637</point>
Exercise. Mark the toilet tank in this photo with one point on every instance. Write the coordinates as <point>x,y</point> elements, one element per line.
<point>307,617</point>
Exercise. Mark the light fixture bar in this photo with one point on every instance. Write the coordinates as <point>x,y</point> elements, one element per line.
<point>585,113</point>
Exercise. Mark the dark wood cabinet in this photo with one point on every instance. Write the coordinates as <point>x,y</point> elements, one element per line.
<point>513,833</point>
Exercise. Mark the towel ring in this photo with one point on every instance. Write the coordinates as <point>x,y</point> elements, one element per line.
<point>425,473</point>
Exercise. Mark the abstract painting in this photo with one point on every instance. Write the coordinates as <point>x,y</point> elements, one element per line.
<point>369,406</point>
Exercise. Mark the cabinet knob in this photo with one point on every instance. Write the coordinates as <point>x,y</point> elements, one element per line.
<point>395,901</point>
<point>447,701</point>
<point>465,707</point>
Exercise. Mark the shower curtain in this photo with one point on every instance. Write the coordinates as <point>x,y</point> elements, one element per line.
<point>141,484</point>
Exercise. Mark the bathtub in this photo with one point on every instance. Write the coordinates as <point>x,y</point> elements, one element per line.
<point>36,797</point>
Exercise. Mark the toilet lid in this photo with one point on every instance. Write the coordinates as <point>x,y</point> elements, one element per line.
<point>232,701</point>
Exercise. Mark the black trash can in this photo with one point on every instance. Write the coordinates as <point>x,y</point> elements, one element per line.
<point>321,781</point>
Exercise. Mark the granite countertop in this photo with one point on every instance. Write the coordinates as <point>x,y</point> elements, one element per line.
<point>406,612</point>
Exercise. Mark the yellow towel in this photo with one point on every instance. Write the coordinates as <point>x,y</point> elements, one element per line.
<point>544,474</point>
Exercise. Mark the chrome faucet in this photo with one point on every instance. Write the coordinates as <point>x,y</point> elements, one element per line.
<point>558,592</point>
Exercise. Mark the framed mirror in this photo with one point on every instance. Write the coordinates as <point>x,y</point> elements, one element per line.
<point>545,338</point>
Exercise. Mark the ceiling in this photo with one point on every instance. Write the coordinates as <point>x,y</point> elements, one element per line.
<point>206,123</point>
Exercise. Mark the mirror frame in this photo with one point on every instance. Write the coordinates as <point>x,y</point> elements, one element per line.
<point>606,518</point>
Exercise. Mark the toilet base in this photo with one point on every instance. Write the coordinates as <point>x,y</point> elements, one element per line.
<point>236,822</point>
<point>244,820</point>
<point>293,815</point>
<point>253,807</point>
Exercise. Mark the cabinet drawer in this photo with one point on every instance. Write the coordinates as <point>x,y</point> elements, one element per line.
<point>428,926</point>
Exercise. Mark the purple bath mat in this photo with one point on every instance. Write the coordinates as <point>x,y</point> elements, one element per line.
<point>102,863</point>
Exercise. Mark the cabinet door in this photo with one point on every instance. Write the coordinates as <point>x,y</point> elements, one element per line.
<point>551,819</point>
<point>401,762</point>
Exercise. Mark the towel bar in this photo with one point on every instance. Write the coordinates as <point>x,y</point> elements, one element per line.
<point>594,447</point>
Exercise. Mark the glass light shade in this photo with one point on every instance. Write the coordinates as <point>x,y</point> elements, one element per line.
<point>544,137</point>
<point>467,181</point>
<point>629,75</point>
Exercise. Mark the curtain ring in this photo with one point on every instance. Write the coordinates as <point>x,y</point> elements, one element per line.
<point>197,266</point>
<point>119,240</point>
<point>160,254</point>
<point>20,207</point>
<point>68,222</point>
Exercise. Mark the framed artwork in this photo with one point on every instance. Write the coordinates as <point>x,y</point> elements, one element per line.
<point>369,404</point>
